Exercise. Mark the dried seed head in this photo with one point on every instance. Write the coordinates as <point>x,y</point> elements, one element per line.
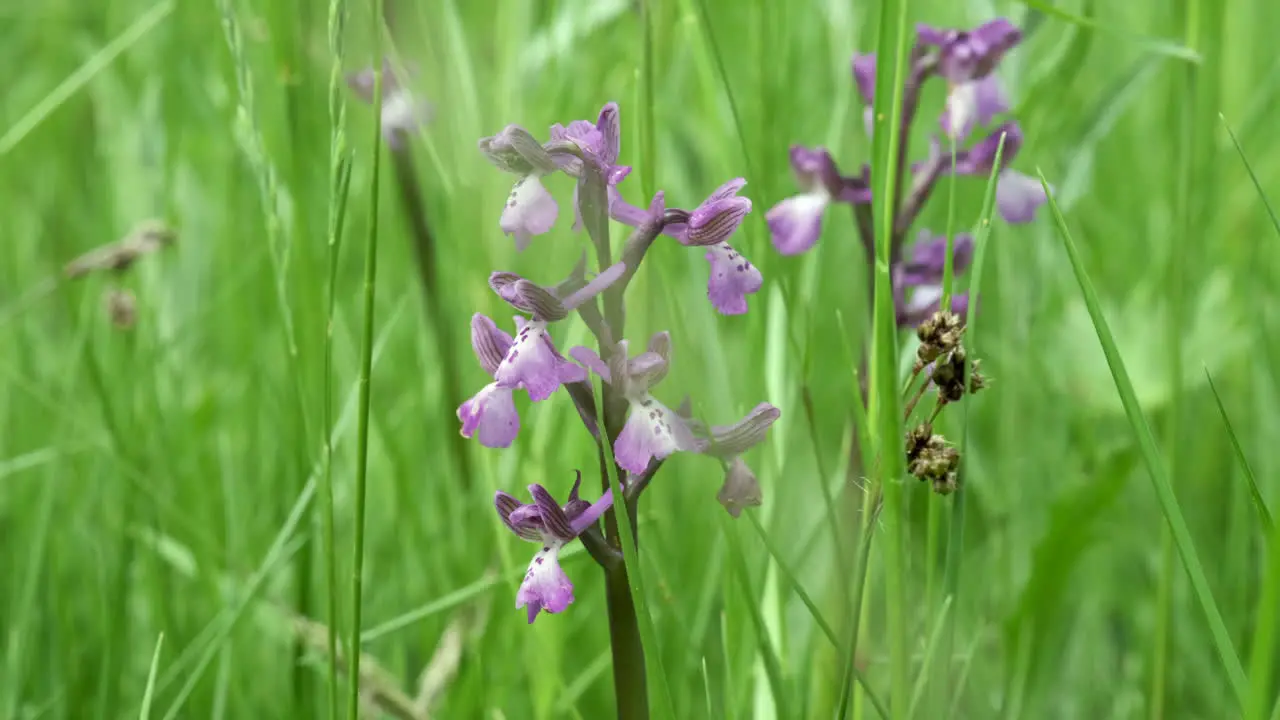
<point>122,308</point>
<point>939,335</point>
<point>147,237</point>
<point>948,375</point>
<point>930,457</point>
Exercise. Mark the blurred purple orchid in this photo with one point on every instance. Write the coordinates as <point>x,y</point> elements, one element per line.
<point>922,274</point>
<point>546,587</point>
<point>967,61</point>
<point>403,113</point>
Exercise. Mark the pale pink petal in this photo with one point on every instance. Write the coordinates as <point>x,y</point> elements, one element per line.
<point>545,586</point>
<point>490,416</point>
<point>652,431</point>
<point>534,364</point>
<point>796,223</point>
<point>1018,196</point>
<point>530,211</point>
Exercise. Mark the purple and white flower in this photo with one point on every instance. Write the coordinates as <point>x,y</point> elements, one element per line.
<point>530,209</point>
<point>654,431</point>
<point>546,587</point>
<point>530,361</point>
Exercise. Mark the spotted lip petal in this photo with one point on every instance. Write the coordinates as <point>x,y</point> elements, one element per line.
<point>740,490</point>
<point>652,431</point>
<point>534,364</point>
<point>732,278</point>
<point>546,587</point>
<point>530,211</point>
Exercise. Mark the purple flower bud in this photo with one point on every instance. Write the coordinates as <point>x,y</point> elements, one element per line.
<point>970,55</point>
<point>546,587</point>
<point>740,489</point>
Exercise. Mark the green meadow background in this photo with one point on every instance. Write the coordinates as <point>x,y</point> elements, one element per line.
<point>163,490</point>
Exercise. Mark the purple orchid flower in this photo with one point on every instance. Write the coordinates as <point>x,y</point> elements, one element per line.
<point>403,113</point>
<point>796,222</point>
<point>530,209</point>
<point>600,143</point>
<point>967,61</point>
<point>922,273</point>
<point>546,587</point>
<point>655,431</point>
<point>710,225</point>
<point>530,361</point>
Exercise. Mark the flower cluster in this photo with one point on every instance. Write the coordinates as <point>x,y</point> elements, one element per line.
<point>585,149</point>
<point>642,431</point>
<point>967,61</point>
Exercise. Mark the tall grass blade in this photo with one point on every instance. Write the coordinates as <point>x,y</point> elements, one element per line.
<point>149,692</point>
<point>1155,465</point>
<point>886,418</point>
<point>1258,502</point>
<point>366,369</point>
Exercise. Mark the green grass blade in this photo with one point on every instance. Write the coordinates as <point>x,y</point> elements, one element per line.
<point>83,74</point>
<point>340,189</point>
<point>1258,502</point>
<point>1154,45</point>
<point>954,564</point>
<point>794,582</point>
<point>366,369</point>
<point>886,418</point>
<point>1155,465</point>
<point>930,650</point>
<point>772,665</point>
<point>1265,634</point>
<point>1257,184</point>
<point>149,692</point>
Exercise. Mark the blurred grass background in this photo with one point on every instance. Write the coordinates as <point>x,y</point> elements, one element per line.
<point>164,480</point>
